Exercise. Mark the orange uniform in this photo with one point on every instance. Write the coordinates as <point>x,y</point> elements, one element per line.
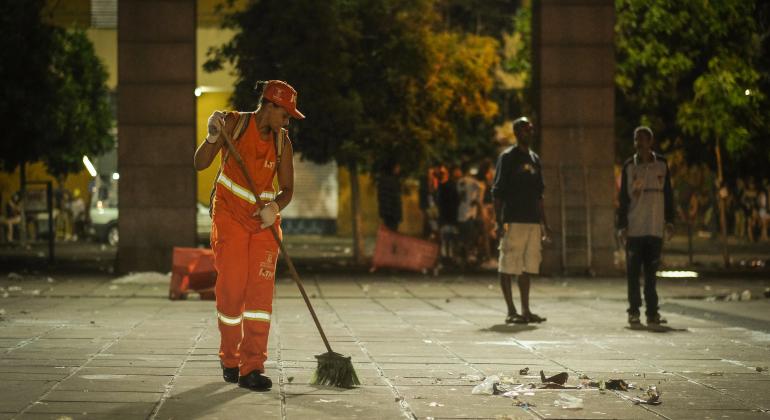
<point>245,255</point>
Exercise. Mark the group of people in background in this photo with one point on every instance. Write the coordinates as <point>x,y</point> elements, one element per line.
<point>458,209</point>
<point>697,193</point>
<point>69,212</point>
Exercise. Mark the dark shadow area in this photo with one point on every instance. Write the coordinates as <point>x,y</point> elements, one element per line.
<point>724,318</point>
<point>509,328</point>
<point>658,329</point>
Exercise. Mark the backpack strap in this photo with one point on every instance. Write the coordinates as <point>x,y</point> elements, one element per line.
<point>240,126</point>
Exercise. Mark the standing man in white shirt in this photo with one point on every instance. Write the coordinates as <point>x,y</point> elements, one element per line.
<point>645,216</point>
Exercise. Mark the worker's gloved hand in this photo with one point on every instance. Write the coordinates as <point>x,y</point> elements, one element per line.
<point>215,126</point>
<point>268,214</point>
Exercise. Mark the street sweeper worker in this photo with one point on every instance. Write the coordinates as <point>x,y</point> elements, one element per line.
<point>245,250</point>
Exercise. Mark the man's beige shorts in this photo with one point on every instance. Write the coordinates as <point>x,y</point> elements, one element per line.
<point>520,249</point>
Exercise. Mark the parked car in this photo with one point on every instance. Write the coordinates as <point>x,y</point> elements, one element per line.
<point>104,223</point>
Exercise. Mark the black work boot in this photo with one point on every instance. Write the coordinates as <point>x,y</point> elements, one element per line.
<point>255,381</point>
<point>229,374</point>
<point>656,319</point>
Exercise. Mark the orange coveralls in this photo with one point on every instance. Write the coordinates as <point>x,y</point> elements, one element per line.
<point>245,255</point>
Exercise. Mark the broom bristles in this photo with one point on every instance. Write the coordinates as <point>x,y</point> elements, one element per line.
<point>335,369</point>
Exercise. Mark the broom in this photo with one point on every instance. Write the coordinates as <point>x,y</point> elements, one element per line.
<point>333,368</point>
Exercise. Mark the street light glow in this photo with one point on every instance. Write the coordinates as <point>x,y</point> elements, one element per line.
<point>677,274</point>
<point>115,176</point>
<point>747,92</point>
<point>198,91</point>
<point>89,166</point>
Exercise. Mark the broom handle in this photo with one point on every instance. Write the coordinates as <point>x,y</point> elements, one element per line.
<point>292,270</point>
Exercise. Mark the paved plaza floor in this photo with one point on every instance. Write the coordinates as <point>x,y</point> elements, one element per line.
<point>76,346</point>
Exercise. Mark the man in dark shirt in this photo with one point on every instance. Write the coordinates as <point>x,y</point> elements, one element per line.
<point>448,205</point>
<point>389,195</point>
<point>518,193</point>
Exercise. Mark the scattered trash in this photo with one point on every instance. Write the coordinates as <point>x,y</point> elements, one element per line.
<point>524,371</point>
<point>24,312</point>
<point>35,292</point>
<point>508,380</point>
<point>707,287</point>
<point>472,378</point>
<point>746,295</point>
<point>14,289</point>
<point>569,402</point>
<point>559,378</point>
<point>487,387</point>
<point>511,394</point>
<point>290,379</point>
<point>113,287</point>
<point>144,277</point>
<point>50,280</point>
<point>2,313</point>
<point>758,368</point>
<point>523,404</point>
<point>435,404</point>
<point>583,376</point>
<point>651,397</point>
<point>15,276</point>
<point>716,374</point>
<point>6,294</point>
<point>616,385</point>
<point>447,300</point>
<point>321,400</point>
<point>397,399</point>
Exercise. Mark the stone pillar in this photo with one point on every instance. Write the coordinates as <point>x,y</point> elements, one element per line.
<point>573,77</point>
<point>156,131</point>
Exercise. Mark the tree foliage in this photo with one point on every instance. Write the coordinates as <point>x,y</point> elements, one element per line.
<point>27,85</point>
<point>377,79</point>
<point>685,68</point>
<point>82,117</point>
<point>54,92</point>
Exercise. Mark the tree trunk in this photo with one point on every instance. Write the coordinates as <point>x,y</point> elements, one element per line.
<point>722,217</point>
<point>23,203</point>
<point>355,198</point>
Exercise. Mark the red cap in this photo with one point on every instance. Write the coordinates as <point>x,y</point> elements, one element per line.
<point>280,93</point>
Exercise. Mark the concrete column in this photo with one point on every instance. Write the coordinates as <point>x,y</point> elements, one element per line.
<point>573,77</point>
<point>156,131</point>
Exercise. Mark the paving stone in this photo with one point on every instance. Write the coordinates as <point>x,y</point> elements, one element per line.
<point>89,409</point>
<point>114,383</point>
<point>342,406</point>
<point>430,350</point>
<point>102,396</point>
<point>16,394</point>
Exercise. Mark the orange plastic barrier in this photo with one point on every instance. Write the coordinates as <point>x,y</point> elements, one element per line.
<point>400,251</point>
<point>193,270</point>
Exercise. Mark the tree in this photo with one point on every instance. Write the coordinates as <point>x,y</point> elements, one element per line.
<point>376,79</point>
<point>82,115</point>
<point>663,48</point>
<point>27,84</point>
<point>55,92</point>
